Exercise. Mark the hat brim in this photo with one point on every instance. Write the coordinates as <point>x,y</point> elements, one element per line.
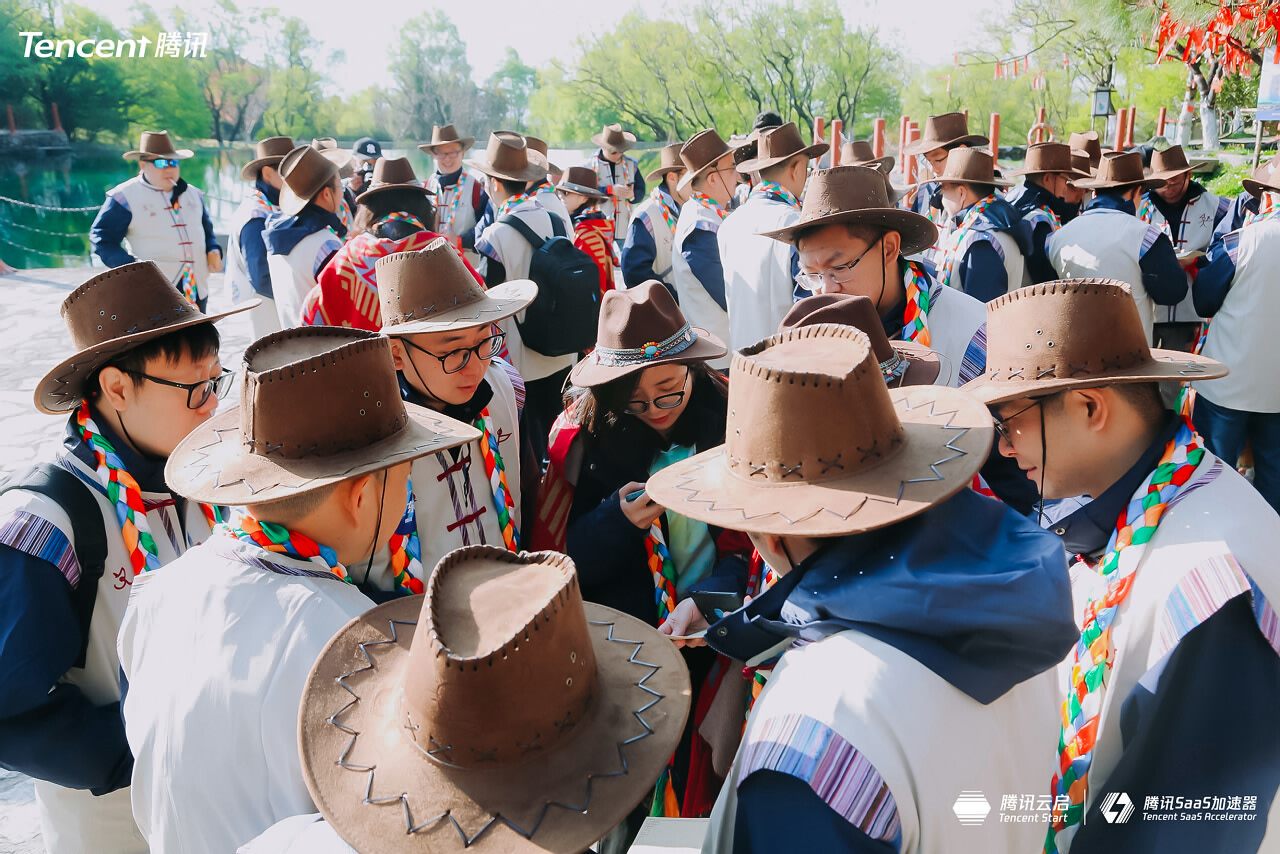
<point>1256,188</point>
<point>250,170</point>
<point>1068,171</point>
<point>499,302</point>
<point>1167,174</point>
<point>924,146</point>
<point>757,163</point>
<point>1097,184</point>
<point>179,154</point>
<point>658,173</point>
<point>381,793</point>
<point>995,181</point>
<point>430,147</point>
<point>212,464</point>
<point>291,204</point>
<point>1165,366</point>
<point>532,172</point>
<point>693,175</point>
<point>589,192</point>
<point>589,373</point>
<point>923,363</point>
<point>916,231</point>
<point>386,188</point>
<point>628,142</point>
<point>947,439</point>
<point>61,390</point>
<point>883,165</point>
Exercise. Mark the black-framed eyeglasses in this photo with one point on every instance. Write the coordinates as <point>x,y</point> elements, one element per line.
<point>198,393</point>
<point>664,401</point>
<point>164,163</point>
<point>1002,422</point>
<point>456,360</point>
<point>836,275</point>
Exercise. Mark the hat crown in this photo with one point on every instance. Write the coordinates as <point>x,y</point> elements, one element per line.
<point>501,665</point>
<point>844,188</point>
<point>393,170</point>
<point>945,127</point>
<point>414,286</point>
<point>703,148</point>
<point>970,164</point>
<point>579,175</point>
<point>809,405</point>
<point>671,156</point>
<point>442,134</point>
<point>1068,329</point>
<point>306,171</point>
<point>781,141</point>
<point>272,146</point>
<point>156,143</point>
<point>632,318</point>
<point>845,310</point>
<point>1172,159</point>
<point>315,392</point>
<point>535,144</point>
<point>123,301</point>
<point>1087,142</point>
<point>1047,157</point>
<point>1121,167</point>
<point>859,151</point>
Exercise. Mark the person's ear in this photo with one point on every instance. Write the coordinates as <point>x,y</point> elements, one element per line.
<point>353,496</point>
<point>892,243</point>
<point>1095,405</point>
<point>398,354</point>
<point>116,387</point>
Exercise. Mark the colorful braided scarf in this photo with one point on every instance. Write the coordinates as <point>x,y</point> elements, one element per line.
<point>1094,654</point>
<point>1146,210</point>
<point>916,317</point>
<point>400,216</point>
<point>451,206</point>
<point>669,212</point>
<point>512,202</point>
<point>951,252</point>
<point>709,203</point>
<point>1266,212</point>
<point>123,491</point>
<point>658,557</point>
<point>497,473</point>
<point>279,539</point>
<point>774,190</point>
<point>406,550</point>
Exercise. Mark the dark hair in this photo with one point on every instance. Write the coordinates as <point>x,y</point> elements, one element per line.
<point>767,119</point>
<point>196,342</point>
<point>856,230</point>
<point>777,170</point>
<point>1116,192</point>
<point>513,187</point>
<point>1144,398</point>
<point>600,409</point>
<point>407,200</point>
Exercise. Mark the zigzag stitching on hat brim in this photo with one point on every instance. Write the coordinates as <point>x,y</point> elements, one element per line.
<point>469,840</point>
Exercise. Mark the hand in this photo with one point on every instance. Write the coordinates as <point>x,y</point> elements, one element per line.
<point>642,512</point>
<point>686,619</point>
<point>625,192</point>
<point>214,259</point>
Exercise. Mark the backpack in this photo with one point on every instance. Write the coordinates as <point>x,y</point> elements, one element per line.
<point>73,496</point>
<point>562,318</point>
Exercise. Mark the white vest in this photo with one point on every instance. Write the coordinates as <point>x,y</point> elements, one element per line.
<point>172,238</point>
<point>696,304</point>
<point>649,215</point>
<point>928,741</point>
<point>610,174</point>
<point>1217,535</point>
<point>72,820</point>
<point>757,269</point>
<point>294,275</point>
<point>462,221</point>
<point>1195,233</point>
<point>1240,335</point>
<point>1008,250</point>
<point>1104,243</point>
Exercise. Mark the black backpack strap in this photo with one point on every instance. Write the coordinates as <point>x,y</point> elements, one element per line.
<point>557,224</point>
<point>525,231</point>
<point>81,506</point>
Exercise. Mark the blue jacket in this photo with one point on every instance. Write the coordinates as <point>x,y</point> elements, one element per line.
<point>254,248</point>
<point>107,234</point>
<point>283,232</point>
<point>1243,205</point>
<point>982,268</point>
<point>1027,198</point>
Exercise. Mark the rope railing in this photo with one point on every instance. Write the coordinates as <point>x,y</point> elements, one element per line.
<point>19,246</point>
<point>8,223</point>
<point>22,204</point>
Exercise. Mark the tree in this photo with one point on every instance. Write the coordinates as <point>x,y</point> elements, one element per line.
<point>234,89</point>
<point>433,84</point>
<point>294,93</point>
<point>164,92</point>
<point>512,85</point>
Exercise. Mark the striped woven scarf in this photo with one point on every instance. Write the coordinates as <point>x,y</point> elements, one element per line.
<point>279,539</point>
<point>915,319</point>
<point>497,473</point>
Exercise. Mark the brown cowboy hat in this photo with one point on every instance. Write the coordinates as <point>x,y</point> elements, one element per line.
<point>973,166</point>
<point>506,157</point>
<point>538,154</point>
<point>641,327</point>
<point>156,143</point>
<point>614,138</point>
<point>266,152</point>
<point>859,153</point>
<point>1266,178</point>
<point>1046,158</point>
<point>779,145</point>
<point>340,157</point>
<point>670,160</point>
<point>1119,169</point>
<point>392,173</point>
<point>1089,143</point>
<point>110,314</point>
<point>432,290</point>
<point>1170,163</point>
<point>496,713</point>
<point>701,153</point>
<point>318,404</point>
<point>945,131</point>
<point>580,180</point>
<point>305,172</point>
<point>444,136</point>
<point>902,363</point>
<point>1074,333</point>
<point>817,446</point>
<point>857,195</point>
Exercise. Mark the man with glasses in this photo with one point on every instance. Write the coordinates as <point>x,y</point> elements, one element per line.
<point>162,217</point>
<point>445,342</point>
<point>77,532</point>
<point>460,197</point>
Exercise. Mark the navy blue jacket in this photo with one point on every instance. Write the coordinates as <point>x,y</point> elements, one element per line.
<point>283,232</point>
<point>110,226</point>
<point>1243,205</point>
<point>981,267</point>
<point>640,250</point>
<point>254,248</point>
<point>703,254</point>
<point>1030,197</point>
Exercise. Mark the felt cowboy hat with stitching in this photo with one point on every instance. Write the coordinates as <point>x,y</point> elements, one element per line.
<point>945,131</point>
<point>538,153</point>
<point>305,172</point>
<point>498,712</point>
<point>859,153</point>
<point>446,135</point>
<point>1119,169</point>
<point>340,157</point>
<point>1170,163</point>
<point>1045,158</point>
<point>670,160</point>
<point>580,180</point>
<point>110,314</point>
<point>156,143</point>
<point>432,290</point>
<point>903,363</point>
<point>702,153</point>
<point>816,445</point>
<point>506,157</point>
<point>1074,333</point>
<point>857,195</point>
<point>1089,143</point>
<point>638,328</point>
<point>1266,178</point>
<point>392,173</point>
<point>973,166</point>
<point>779,145</point>
<point>266,152</point>
<point>318,405</point>
<point>614,138</point>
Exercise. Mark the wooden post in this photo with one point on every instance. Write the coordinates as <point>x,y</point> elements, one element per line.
<point>994,135</point>
<point>819,129</point>
<point>904,125</point>
<point>1160,121</point>
<point>877,138</point>
<point>837,128</point>
<point>1040,121</point>
<point>57,121</point>
<point>1128,126</point>
<point>913,133</point>
<point>1121,133</point>
<point>12,127</point>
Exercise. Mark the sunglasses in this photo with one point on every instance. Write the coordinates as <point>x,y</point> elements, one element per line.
<point>164,163</point>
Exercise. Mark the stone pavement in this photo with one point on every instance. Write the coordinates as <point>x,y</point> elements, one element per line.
<point>34,341</point>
